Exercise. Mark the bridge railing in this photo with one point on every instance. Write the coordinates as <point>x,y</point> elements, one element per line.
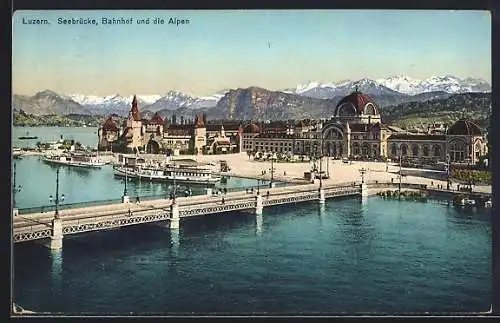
<point>51,208</point>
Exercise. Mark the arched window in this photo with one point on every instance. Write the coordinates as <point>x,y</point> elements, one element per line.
<point>356,148</point>
<point>437,151</point>
<point>457,152</point>
<point>394,150</point>
<point>404,149</point>
<point>414,150</point>
<point>426,151</point>
<point>478,147</point>
<point>347,109</point>
<point>369,109</point>
<point>365,149</point>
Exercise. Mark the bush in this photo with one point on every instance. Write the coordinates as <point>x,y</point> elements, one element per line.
<point>476,176</point>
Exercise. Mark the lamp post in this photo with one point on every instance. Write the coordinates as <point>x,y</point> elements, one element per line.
<point>175,186</point>
<point>320,171</point>
<point>273,156</point>
<point>400,174</point>
<point>448,171</point>
<point>56,200</point>
<point>362,171</point>
<point>15,189</point>
<point>126,178</point>
<point>258,186</point>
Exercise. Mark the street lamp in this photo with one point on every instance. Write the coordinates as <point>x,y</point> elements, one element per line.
<point>362,171</point>
<point>273,157</point>
<point>14,188</point>
<point>448,171</point>
<point>56,200</point>
<point>126,178</point>
<point>175,186</point>
<point>400,174</point>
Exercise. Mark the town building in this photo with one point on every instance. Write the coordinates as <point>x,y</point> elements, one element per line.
<point>167,136</point>
<point>356,131</point>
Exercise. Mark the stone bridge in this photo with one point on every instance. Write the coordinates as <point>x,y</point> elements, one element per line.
<point>36,226</point>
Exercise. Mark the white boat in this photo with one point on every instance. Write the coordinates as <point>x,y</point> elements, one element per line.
<point>180,171</point>
<point>74,159</point>
<point>17,153</point>
<point>488,204</point>
<point>466,202</point>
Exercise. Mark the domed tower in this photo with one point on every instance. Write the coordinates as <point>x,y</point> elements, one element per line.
<point>465,142</point>
<point>357,108</point>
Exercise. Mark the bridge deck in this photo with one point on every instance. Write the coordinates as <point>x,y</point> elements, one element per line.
<point>39,225</point>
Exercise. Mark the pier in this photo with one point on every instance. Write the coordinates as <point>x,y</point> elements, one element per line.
<point>46,226</point>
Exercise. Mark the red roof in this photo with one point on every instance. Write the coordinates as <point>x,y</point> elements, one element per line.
<point>109,125</point>
<point>464,127</point>
<point>156,119</point>
<point>251,128</point>
<point>198,121</point>
<point>359,101</point>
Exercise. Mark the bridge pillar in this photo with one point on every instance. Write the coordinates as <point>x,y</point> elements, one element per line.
<point>259,205</point>
<point>364,190</point>
<point>258,224</point>
<point>125,199</point>
<point>56,240</point>
<point>174,216</point>
<point>15,211</point>
<point>321,196</point>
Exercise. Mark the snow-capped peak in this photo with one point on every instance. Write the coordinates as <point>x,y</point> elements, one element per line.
<point>398,83</point>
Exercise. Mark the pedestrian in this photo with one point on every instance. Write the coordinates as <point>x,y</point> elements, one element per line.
<point>225,191</point>
<point>223,201</point>
<point>267,194</point>
<point>252,190</point>
<point>137,200</point>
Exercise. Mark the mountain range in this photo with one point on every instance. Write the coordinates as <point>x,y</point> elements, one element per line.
<point>313,99</point>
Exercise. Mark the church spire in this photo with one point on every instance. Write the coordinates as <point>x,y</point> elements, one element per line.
<point>134,111</point>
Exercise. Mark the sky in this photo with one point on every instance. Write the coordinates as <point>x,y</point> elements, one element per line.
<point>216,50</point>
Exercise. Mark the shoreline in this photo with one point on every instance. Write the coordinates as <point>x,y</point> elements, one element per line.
<point>242,166</point>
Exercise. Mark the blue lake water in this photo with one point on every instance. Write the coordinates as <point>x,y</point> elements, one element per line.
<point>86,136</point>
<point>380,256</point>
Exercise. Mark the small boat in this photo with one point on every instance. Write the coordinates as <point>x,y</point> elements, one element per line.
<point>28,137</point>
<point>74,159</point>
<point>488,204</point>
<point>465,202</point>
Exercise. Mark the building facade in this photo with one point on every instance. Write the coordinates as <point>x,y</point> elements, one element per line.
<point>356,131</point>
<point>167,136</point>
